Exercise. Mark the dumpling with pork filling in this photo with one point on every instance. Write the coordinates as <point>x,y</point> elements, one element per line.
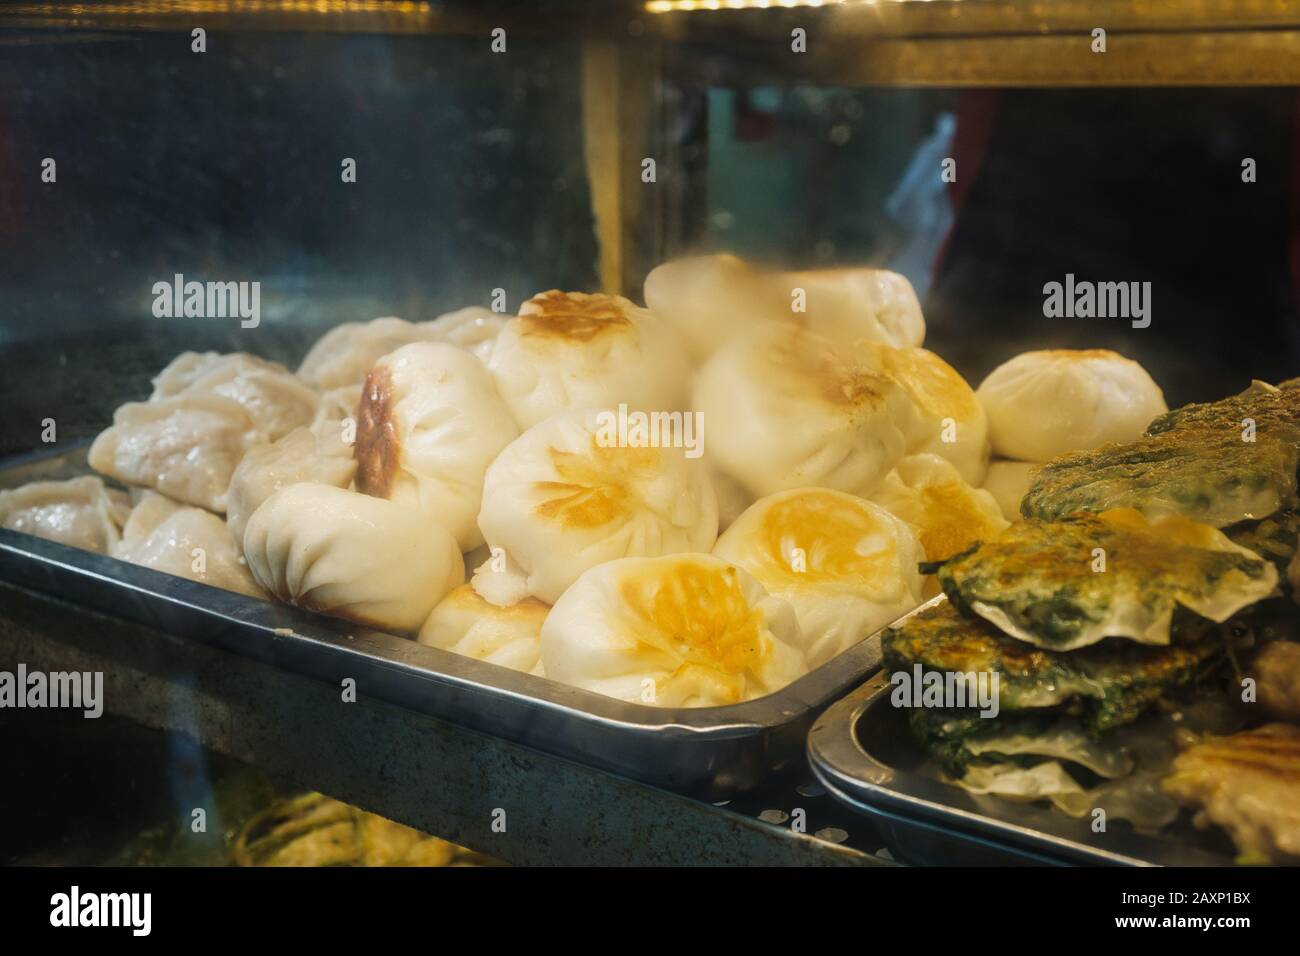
<point>947,514</point>
<point>352,556</point>
<point>847,566</point>
<point>945,418</point>
<point>565,496</point>
<point>784,408</point>
<point>465,623</point>
<point>686,630</point>
<point>302,455</point>
<point>344,354</point>
<point>429,424</point>
<point>569,350</point>
<point>274,398</point>
<point>80,512</point>
<point>187,542</point>
<point>186,446</point>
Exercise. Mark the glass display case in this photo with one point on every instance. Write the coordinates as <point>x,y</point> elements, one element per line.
<point>362,547</point>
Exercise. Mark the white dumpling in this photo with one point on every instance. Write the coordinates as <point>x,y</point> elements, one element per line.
<point>946,419</point>
<point>569,350</point>
<point>473,328</point>
<point>784,408</point>
<point>1044,404</point>
<point>687,630</point>
<point>847,566</point>
<point>351,556</point>
<point>708,299</point>
<point>1008,482</point>
<point>947,514</point>
<point>302,455</point>
<point>466,624</point>
<point>186,446</point>
<point>561,499</point>
<point>344,354</point>
<point>338,405</point>
<point>80,512</point>
<point>429,424</point>
<point>273,397</point>
<point>856,304</point>
<point>187,542</point>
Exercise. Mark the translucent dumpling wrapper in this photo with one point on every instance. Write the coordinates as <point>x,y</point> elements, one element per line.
<point>473,328</point>
<point>344,354</point>
<point>463,622</point>
<point>847,566</point>
<point>565,496</point>
<point>302,455</point>
<point>274,398</point>
<point>429,424</point>
<point>186,446</point>
<point>1048,403</point>
<point>709,299</point>
<point>1070,583</point>
<point>1008,482</point>
<point>569,350</point>
<point>352,556</point>
<point>947,514</point>
<point>850,305</point>
<point>186,542</point>
<point>338,406</point>
<point>946,419</point>
<point>80,512</point>
<point>686,630</point>
<point>783,409</point>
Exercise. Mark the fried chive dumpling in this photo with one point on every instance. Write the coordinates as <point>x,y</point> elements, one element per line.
<point>1104,686</point>
<point>1070,583</point>
<point>1220,463</point>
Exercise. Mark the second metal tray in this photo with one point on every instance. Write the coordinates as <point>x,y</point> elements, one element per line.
<point>709,752</point>
<point>862,751</point>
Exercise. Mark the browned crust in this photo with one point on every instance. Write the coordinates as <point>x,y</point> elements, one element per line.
<point>377,449</point>
<point>572,316</point>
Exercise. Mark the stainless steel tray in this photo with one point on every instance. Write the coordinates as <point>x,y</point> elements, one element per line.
<point>709,752</point>
<point>862,752</point>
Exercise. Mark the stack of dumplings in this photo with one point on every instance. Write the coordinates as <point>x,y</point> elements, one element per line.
<point>691,503</point>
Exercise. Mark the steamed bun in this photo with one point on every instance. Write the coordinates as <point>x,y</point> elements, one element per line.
<point>473,328</point>
<point>80,512</point>
<point>851,305</point>
<point>947,514</point>
<point>1044,404</point>
<point>352,556</point>
<point>946,419</point>
<point>429,424</point>
<point>1008,482</point>
<point>186,542</point>
<point>561,499</point>
<point>466,624</point>
<point>785,408</point>
<point>301,455</point>
<point>687,630</point>
<point>568,350</point>
<point>847,566</point>
<point>708,299</point>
